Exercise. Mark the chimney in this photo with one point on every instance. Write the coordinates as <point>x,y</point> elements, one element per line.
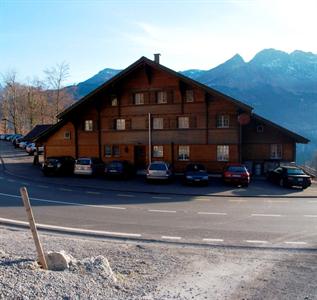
<point>157,58</point>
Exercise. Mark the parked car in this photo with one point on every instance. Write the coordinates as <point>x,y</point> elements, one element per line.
<point>90,166</point>
<point>23,144</point>
<point>195,174</point>
<point>236,174</point>
<point>159,170</point>
<point>289,176</point>
<point>119,169</point>
<point>62,165</point>
<point>31,148</point>
<point>16,141</point>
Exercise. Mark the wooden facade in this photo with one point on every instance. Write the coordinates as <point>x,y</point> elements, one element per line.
<point>188,122</point>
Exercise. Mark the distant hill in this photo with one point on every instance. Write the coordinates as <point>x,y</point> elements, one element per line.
<point>280,86</point>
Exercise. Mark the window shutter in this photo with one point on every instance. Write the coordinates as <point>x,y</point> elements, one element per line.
<point>113,123</point>
<point>192,122</point>
<point>146,96</point>
<point>170,96</point>
<point>131,102</point>
<point>173,123</point>
<point>128,124</point>
<point>147,123</point>
<point>166,123</point>
<point>152,96</point>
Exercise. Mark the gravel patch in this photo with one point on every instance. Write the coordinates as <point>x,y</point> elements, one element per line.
<point>103,269</point>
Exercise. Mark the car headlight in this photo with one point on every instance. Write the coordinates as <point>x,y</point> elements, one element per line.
<point>59,165</point>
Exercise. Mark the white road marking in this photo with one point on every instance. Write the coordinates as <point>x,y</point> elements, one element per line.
<point>77,230</point>
<point>213,240</point>
<point>11,180</point>
<point>1,178</point>
<point>212,213</point>
<point>265,215</point>
<point>64,202</point>
<point>43,186</point>
<point>256,242</point>
<point>125,195</point>
<point>93,193</point>
<point>158,197</point>
<point>25,183</point>
<point>162,211</point>
<point>312,201</point>
<point>203,199</point>
<point>240,200</point>
<point>310,216</point>
<point>276,201</point>
<point>65,190</point>
<point>296,243</point>
<point>171,237</point>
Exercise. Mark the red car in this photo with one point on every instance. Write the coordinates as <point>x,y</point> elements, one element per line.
<point>236,174</point>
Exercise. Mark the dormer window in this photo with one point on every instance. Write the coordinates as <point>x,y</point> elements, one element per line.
<point>189,96</point>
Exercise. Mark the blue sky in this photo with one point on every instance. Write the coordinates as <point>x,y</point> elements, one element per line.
<point>92,35</point>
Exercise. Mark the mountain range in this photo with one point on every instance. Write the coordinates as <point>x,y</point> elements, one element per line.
<point>280,86</point>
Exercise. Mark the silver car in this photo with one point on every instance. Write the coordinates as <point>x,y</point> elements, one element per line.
<point>90,166</point>
<point>159,170</point>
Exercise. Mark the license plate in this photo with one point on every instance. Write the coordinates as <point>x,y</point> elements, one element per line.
<point>197,179</point>
<point>50,165</point>
<point>236,176</point>
<point>300,179</point>
<point>113,171</point>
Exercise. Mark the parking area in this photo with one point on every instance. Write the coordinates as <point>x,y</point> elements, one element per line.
<point>18,163</point>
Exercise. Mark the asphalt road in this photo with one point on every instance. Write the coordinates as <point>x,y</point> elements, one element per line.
<point>286,222</point>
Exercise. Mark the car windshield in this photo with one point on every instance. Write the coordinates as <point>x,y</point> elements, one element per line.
<point>115,164</point>
<point>157,167</point>
<point>83,162</point>
<point>238,169</point>
<point>195,168</point>
<point>295,172</point>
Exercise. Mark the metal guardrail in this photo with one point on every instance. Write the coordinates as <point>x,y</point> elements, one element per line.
<point>309,170</point>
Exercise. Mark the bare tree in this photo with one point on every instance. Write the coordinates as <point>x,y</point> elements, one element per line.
<point>55,78</point>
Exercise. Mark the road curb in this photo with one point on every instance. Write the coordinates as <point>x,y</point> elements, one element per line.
<point>100,235</point>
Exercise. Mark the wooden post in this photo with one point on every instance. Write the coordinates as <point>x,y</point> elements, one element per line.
<point>27,205</point>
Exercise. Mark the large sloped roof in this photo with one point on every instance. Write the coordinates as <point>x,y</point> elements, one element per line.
<point>36,131</point>
<point>297,138</point>
<point>145,61</point>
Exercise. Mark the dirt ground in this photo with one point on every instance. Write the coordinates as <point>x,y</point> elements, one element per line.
<point>155,271</point>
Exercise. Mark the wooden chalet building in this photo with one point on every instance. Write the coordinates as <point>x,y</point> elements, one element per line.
<point>150,110</point>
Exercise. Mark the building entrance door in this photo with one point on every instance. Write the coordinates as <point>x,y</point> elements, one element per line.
<point>140,156</point>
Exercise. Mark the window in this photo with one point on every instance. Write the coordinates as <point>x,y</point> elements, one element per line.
<point>112,150</point>
<point>183,122</point>
<point>138,98</point>
<point>161,97</point>
<point>120,124</point>
<point>114,100</point>
<point>222,153</point>
<point>158,151</point>
<point>189,96</point>
<point>67,135</point>
<point>108,150</point>
<point>115,150</point>
<point>183,152</point>
<point>223,121</point>
<point>157,123</point>
<point>276,151</point>
<point>88,125</point>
